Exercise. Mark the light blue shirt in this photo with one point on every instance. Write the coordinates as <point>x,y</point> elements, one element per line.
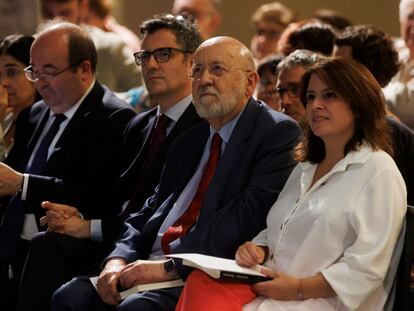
<point>186,196</point>
<point>174,113</point>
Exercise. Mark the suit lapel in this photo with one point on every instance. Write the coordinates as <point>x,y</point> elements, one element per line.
<point>91,102</point>
<point>39,128</point>
<point>231,156</point>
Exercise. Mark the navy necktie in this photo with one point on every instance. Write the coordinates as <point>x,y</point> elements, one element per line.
<point>40,158</point>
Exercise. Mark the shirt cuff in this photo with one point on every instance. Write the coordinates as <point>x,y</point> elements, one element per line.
<point>96,230</point>
<point>25,186</point>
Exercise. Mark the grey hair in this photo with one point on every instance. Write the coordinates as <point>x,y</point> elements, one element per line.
<point>304,58</point>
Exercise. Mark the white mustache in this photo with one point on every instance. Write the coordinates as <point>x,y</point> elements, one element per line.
<point>209,90</point>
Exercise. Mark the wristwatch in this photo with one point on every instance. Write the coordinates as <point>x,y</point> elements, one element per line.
<point>169,266</point>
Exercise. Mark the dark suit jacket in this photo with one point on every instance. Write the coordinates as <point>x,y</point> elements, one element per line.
<point>84,166</point>
<point>252,171</point>
<point>136,141</point>
<point>403,139</point>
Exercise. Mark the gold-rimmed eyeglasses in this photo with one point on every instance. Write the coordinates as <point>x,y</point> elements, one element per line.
<point>34,76</point>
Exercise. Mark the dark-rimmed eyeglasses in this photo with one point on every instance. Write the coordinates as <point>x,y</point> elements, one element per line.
<point>161,55</point>
<point>36,76</point>
<point>291,90</point>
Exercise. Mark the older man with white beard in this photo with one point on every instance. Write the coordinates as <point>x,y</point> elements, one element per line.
<point>219,181</point>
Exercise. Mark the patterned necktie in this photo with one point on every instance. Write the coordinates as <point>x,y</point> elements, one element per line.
<point>189,217</point>
<point>41,156</point>
<point>158,137</point>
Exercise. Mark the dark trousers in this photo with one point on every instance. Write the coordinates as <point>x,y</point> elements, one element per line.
<point>80,295</point>
<point>10,274</point>
<point>54,259</point>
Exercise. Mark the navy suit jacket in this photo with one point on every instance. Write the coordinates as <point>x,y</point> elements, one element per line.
<point>84,167</point>
<point>136,141</point>
<point>252,171</point>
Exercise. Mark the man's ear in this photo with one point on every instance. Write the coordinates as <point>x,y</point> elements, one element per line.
<point>189,64</point>
<point>86,69</point>
<point>252,78</point>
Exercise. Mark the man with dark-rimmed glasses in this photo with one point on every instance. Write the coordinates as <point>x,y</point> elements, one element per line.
<point>291,69</point>
<point>166,58</point>
<point>67,147</point>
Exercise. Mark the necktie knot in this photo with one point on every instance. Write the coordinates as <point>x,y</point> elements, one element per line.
<point>216,142</point>
<point>162,122</point>
<point>59,118</point>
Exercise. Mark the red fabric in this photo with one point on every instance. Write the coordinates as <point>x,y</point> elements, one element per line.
<point>203,293</point>
<point>158,136</point>
<point>188,218</point>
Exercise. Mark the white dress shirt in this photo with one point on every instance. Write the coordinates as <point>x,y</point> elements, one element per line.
<point>345,226</point>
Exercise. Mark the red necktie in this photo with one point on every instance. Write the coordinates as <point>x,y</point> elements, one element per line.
<point>159,134</point>
<point>188,218</point>
<point>158,137</point>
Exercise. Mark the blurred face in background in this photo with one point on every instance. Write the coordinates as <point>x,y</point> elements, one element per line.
<point>20,91</point>
<point>407,23</point>
<point>265,38</point>
<point>266,90</point>
<point>71,10</point>
<point>204,11</point>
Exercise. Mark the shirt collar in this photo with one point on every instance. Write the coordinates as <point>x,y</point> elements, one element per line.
<point>175,112</point>
<point>72,110</point>
<point>358,156</point>
<point>226,131</point>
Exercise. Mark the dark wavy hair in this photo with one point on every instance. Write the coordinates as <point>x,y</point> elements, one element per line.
<point>373,48</point>
<point>356,86</point>
<point>314,36</point>
<point>17,46</point>
<point>185,29</point>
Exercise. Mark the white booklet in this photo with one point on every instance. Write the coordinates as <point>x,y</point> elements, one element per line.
<point>222,268</point>
<point>143,287</point>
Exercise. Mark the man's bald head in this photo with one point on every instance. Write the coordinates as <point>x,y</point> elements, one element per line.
<point>224,78</point>
<point>234,50</point>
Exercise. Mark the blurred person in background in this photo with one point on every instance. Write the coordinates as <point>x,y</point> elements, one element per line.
<point>266,88</point>
<point>116,67</point>
<point>206,12</point>
<point>268,22</point>
<point>16,91</point>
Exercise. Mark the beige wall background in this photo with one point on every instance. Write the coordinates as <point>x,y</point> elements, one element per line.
<point>236,13</point>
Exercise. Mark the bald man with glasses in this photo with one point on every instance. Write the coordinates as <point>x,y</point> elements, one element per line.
<point>68,149</point>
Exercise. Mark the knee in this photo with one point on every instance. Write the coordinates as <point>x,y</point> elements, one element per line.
<point>60,297</point>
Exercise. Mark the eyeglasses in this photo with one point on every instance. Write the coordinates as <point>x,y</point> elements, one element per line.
<point>214,70</point>
<point>36,76</point>
<point>161,55</point>
<point>292,90</point>
<point>10,73</point>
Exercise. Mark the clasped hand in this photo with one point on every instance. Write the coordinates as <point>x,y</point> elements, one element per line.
<point>116,272</point>
<point>65,219</point>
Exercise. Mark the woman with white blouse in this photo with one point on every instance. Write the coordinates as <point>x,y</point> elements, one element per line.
<point>331,236</point>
